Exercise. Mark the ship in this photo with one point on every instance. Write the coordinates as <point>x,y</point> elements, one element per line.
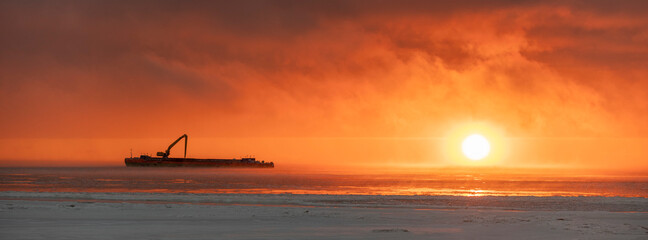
<point>163,160</point>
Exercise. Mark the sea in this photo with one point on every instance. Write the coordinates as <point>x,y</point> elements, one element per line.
<point>304,180</point>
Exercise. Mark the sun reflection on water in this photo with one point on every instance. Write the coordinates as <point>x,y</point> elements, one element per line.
<point>433,182</point>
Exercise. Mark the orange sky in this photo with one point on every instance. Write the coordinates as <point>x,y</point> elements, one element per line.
<point>305,82</point>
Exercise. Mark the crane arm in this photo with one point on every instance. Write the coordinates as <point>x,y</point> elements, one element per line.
<point>168,151</point>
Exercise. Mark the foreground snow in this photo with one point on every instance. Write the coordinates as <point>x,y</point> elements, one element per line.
<point>33,215</point>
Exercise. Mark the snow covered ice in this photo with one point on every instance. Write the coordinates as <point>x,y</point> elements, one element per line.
<point>39,215</point>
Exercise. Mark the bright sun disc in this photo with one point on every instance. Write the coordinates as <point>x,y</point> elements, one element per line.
<point>475,147</point>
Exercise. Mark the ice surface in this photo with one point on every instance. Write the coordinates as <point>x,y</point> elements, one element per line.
<point>77,215</point>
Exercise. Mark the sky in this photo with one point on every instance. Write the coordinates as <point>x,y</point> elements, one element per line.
<point>563,83</point>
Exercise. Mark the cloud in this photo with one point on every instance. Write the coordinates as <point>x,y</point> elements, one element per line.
<point>322,68</point>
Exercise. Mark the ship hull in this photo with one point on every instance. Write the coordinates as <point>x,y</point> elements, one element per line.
<point>194,162</point>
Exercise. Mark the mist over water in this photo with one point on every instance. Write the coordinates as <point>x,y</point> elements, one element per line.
<point>431,181</point>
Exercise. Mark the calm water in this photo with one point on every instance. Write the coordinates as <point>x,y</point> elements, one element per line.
<point>467,182</point>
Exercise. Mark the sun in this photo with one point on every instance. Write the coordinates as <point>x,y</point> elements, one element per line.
<point>475,147</point>
<point>475,143</point>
